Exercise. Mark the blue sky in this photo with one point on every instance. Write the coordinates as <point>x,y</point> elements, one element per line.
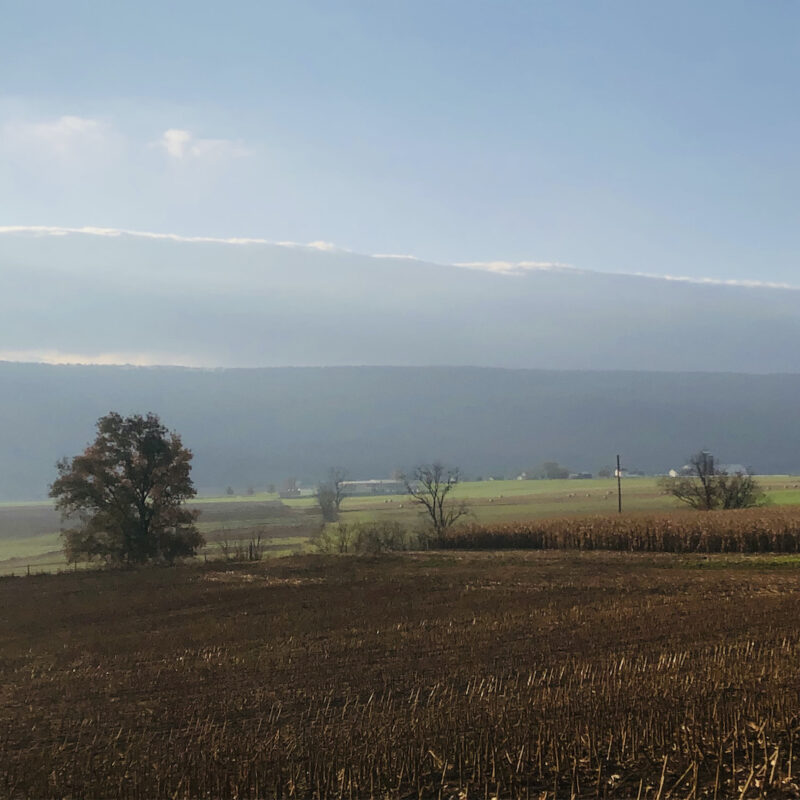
<point>614,136</point>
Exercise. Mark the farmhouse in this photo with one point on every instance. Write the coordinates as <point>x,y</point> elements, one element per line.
<point>374,486</point>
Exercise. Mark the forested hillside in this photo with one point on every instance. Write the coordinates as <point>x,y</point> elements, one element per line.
<point>259,426</point>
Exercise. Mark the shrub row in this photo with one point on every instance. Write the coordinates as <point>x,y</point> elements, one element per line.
<point>364,537</point>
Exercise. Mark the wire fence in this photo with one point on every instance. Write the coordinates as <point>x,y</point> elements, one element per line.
<point>20,567</point>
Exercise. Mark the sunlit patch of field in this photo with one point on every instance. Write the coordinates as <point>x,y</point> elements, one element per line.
<point>500,501</point>
<point>30,546</point>
<point>256,497</point>
<point>507,501</point>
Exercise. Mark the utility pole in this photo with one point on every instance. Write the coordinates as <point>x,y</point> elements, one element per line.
<point>619,486</point>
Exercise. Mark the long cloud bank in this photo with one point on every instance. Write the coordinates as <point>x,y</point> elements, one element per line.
<point>101,295</point>
<point>498,266</point>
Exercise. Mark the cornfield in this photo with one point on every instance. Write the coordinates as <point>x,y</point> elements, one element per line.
<point>745,531</point>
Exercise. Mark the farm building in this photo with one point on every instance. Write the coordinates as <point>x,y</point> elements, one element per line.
<point>374,486</point>
<point>727,469</point>
<point>735,469</point>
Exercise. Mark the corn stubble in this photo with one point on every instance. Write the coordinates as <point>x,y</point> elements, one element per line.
<point>539,675</point>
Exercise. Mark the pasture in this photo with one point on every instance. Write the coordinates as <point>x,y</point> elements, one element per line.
<point>508,501</point>
<point>29,531</point>
<point>446,675</point>
<point>30,540</point>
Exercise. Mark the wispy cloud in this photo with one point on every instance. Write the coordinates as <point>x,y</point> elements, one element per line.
<point>514,267</point>
<point>71,138</point>
<point>63,137</point>
<point>183,145</point>
<point>399,256</point>
<point>326,246</point>
<point>58,230</point>
<point>752,284</point>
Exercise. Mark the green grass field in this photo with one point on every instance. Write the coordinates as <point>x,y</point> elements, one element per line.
<point>30,539</point>
<point>506,501</point>
<point>29,531</point>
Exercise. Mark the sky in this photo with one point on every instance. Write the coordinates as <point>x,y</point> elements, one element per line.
<point>610,136</point>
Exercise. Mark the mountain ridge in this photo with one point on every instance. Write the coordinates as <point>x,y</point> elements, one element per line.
<point>259,426</point>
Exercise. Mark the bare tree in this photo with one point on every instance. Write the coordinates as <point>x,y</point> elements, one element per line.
<point>430,486</point>
<point>326,500</point>
<point>336,478</point>
<point>740,491</point>
<point>704,486</point>
<point>696,488</point>
<point>331,493</point>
